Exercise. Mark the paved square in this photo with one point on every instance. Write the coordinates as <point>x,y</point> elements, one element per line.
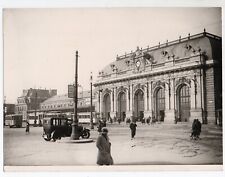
<point>161,144</point>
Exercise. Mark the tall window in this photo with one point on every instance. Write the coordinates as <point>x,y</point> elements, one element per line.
<point>107,106</point>
<point>160,104</point>
<point>122,105</point>
<point>184,103</point>
<point>139,104</point>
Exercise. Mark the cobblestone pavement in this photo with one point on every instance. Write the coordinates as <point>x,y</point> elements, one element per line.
<point>161,144</point>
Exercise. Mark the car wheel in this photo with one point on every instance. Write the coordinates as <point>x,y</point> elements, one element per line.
<point>47,137</point>
<point>86,135</point>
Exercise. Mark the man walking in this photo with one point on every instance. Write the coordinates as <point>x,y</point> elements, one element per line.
<point>133,126</point>
<point>104,148</point>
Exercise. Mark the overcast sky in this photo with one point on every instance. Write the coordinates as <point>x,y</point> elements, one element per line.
<point>40,44</point>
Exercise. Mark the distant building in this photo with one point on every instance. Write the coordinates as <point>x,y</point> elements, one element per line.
<point>179,80</point>
<point>9,108</point>
<point>31,99</point>
<point>64,104</point>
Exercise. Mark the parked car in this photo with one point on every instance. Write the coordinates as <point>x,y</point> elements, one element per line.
<point>57,127</point>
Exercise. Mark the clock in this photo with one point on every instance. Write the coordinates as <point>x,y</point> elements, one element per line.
<point>138,63</point>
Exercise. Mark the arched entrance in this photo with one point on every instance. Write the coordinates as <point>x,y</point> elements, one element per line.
<point>139,105</point>
<point>122,105</point>
<point>160,104</point>
<point>106,106</point>
<point>183,100</point>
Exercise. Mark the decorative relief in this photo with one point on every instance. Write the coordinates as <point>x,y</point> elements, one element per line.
<point>106,91</point>
<point>148,59</point>
<point>121,89</point>
<point>158,84</point>
<point>183,80</point>
<point>139,86</point>
<point>193,50</point>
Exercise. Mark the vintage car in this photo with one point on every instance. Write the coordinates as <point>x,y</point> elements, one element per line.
<point>56,127</point>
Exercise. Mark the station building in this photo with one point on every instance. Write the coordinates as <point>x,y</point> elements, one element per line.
<point>179,81</point>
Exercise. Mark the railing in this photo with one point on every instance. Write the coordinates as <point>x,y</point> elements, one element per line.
<point>158,65</point>
<point>182,60</point>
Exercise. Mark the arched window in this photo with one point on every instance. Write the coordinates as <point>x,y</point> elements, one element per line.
<point>107,106</point>
<point>160,104</point>
<point>122,105</point>
<point>183,103</point>
<point>139,104</point>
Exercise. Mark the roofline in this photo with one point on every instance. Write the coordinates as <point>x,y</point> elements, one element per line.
<point>166,44</point>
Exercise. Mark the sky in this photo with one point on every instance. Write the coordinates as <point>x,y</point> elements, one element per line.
<point>39,45</point>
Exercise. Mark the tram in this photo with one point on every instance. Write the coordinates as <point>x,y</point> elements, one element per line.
<point>14,120</point>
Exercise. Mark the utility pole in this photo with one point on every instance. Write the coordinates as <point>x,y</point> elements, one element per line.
<point>75,133</point>
<point>35,109</point>
<point>92,126</point>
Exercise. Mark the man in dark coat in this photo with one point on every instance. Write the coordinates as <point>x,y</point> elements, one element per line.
<point>198,127</point>
<point>133,126</point>
<point>104,148</point>
<point>27,128</point>
<point>100,125</point>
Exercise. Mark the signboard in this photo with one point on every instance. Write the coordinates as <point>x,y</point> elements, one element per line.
<point>71,91</point>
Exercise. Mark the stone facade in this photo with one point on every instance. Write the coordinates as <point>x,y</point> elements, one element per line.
<point>179,80</point>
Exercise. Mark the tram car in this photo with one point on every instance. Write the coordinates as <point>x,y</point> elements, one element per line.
<point>14,120</point>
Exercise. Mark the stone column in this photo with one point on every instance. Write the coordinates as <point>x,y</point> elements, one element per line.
<point>167,99</point>
<point>145,97</point>
<point>129,112</point>
<point>196,95</point>
<point>112,112</point>
<point>115,101</point>
<point>147,113</point>
<point>172,92</point>
<point>169,111</point>
<point>101,104</point>
<point>193,93</point>
<point>150,99</point>
<point>127,100</point>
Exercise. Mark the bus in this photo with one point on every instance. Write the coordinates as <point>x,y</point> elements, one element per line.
<point>14,120</point>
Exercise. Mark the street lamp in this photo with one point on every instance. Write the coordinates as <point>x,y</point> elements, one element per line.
<point>75,133</point>
<point>35,109</point>
<point>92,126</point>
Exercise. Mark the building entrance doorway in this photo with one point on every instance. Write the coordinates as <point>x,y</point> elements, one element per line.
<point>160,104</point>
<point>139,105</point>
<point>122,106</point>
<point>183,103</point>
<point>106,106</point>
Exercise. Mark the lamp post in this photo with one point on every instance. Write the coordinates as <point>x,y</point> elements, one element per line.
<point>35,109</point>
<point>92,126</point>
<point>75,133</point>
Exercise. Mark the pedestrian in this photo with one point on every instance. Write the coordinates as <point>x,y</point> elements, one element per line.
<point>104,149</point>
<point>133,126</point>
<point>27,128</point>
<point>153,120</point>
<point>198,127</point>
<point>194,132</point>
<point>119,120</point>
<point>148,120</point>
<point>100,125</point>
<point>111,120</point>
